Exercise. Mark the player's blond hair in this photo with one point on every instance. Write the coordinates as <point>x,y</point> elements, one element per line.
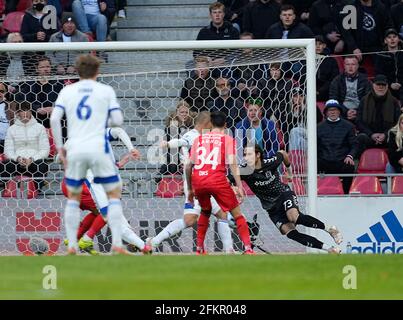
<point>87,66</point>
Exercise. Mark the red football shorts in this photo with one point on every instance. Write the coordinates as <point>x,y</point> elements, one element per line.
<point>86,203</point>
<point>222,193</point>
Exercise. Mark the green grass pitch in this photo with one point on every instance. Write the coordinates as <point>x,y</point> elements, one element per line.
<point>203,277</point>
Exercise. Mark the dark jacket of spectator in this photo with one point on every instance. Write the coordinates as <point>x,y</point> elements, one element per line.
<point>393,153</point>
<point>397,17</point>
<point>271,144</point>
<point>327,71</point>
<point>338,88</point>
<point>233,108</point>
<point>358,39</point>
<point>31,26</point>
<point>234,7</point>
<point>336,140</point>
<point>197,92</point>
<point>258,17</point>
<point>324,17</point>
<point>41,95</point>
<point>298,30</point>
<point>226,32</point>
<point>300,6</point>
<point>377,114</point>
<point>391,65</point>
<point>275,94</point>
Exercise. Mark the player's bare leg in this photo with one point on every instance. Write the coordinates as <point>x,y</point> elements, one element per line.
<point>296,217</point>
<point>243,229</point>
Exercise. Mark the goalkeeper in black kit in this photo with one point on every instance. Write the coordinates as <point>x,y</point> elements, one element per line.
<point>280,201</point>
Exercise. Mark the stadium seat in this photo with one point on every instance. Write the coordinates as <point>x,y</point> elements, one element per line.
<point>2,157</point>
<point>247,190</point>
<point>21,187</point>
<point>52,151</point>
<point>329,186</point>
<point>12,22</point>
<point>298,161</point>
<point>369,67</point>
<point>397,185</point>
<point>373,160</point>
<point>170,187</point>
<point>366,185</point>
<point>10,190</point>
<point>24,5</point>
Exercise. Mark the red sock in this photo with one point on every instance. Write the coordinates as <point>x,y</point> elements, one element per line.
<point>243,231</point>
<point>202,226</point>
<point>85,224</point>
<point>96,226</point>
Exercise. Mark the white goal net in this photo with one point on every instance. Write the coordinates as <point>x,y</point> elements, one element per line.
<point>161,87</point>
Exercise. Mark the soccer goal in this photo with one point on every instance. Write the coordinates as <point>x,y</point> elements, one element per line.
<point>161,86</point>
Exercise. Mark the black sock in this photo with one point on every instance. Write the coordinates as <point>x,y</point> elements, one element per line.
<point>304,239</point>
<point>310,222</point>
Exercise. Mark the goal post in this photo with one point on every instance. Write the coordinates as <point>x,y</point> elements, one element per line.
<point>147,84</point>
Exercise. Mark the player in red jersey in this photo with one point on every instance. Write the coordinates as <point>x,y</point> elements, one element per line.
<point>210,156</point>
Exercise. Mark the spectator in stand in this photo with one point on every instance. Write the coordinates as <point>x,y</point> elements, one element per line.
<point>292,120</point>
<point>247,74</point>
<point>372,21</point>
<point>198,87</point>
<point>65,60</point>
<point>219,29</point>
<point>12,63</point>
<point>288,27</point>
<point>26,147</point>
<point>42,94</point>
<point>327,71</point>
<point>395,148</point>
<point>256,129</point>
<point>301,8</point>
<point>234,11</point>
<point>390,63</point>
<point>275,91</point>
<point>94,16</point>
<point>324,19</point>
<point>4,123</point>
<point>176,124</point>
<point>397,17</point>
<point>378,112</point>
<point>259,16</point>
<point>337,144</point>
<point>350,87</point>
<point>232,107</point>
<point>33,27</point>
